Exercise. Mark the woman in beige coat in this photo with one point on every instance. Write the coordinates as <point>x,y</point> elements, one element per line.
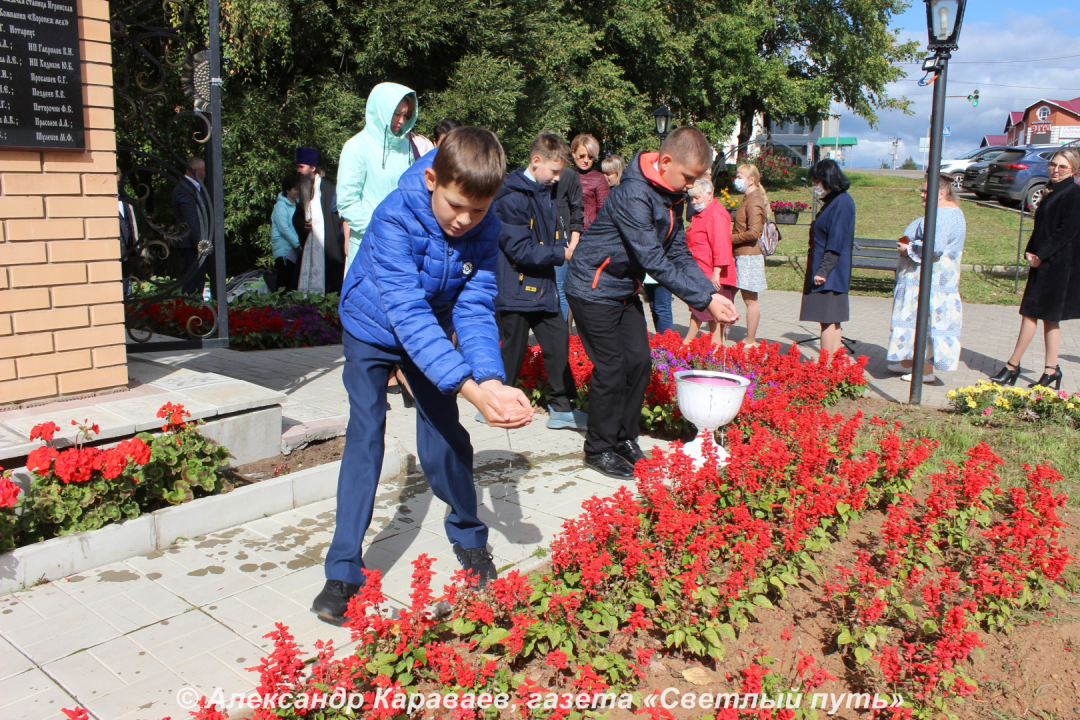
<point>750,219</point>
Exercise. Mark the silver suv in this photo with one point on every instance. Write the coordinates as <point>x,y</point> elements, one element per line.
<point>955,168</point>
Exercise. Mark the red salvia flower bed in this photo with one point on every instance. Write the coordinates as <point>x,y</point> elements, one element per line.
<point>684,562</point>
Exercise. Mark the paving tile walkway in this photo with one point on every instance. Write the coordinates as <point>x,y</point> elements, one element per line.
<point>122,640</point>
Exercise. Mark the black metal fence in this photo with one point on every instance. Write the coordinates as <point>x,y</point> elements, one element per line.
<point>167,93</point>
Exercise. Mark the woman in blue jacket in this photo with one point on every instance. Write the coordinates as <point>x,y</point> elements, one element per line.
<point>828,266</point>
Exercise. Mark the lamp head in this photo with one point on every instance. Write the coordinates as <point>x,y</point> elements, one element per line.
<point>943,18</point>
<point>662,116</point>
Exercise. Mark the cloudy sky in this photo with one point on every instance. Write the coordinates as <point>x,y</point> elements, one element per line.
<point>993,31</point>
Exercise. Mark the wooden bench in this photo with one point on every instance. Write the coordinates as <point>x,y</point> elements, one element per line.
<point>874,254</point>
<point>867,254</point>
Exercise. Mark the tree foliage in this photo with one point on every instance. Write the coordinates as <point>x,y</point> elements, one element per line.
<point>298,71</point>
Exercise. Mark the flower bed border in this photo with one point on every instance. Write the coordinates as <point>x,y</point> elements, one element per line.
<point>63,556</point>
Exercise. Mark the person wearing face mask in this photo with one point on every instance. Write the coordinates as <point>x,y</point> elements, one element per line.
<point>828,265</point>
<point>373,160</point>
<point>187,197</point>
<point>709,240</point>
<point>750,219</point>
<point>1052,293</point>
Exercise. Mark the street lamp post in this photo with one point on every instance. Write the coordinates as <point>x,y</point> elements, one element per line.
<point>662,116</point>
<point>943,18</point>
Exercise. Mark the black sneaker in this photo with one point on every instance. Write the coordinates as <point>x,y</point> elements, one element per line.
<point>479,560</point>
<point>629,451</point>
<point>610,464</point>
<point>330,605</point>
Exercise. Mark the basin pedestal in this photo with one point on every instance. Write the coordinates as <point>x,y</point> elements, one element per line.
<point>709,399</point>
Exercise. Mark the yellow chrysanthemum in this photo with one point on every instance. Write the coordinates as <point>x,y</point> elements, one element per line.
<point>971,403</point>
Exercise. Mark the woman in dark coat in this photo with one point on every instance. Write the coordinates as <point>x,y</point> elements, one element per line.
<point>1053,252</point>
<point>828,267</point>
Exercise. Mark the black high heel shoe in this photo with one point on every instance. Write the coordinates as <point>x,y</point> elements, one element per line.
<point>1047,378</point>
<point>1006,376</point>
<point>406,397</point>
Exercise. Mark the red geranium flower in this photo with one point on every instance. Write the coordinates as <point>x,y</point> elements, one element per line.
<point>45,431</point>
<point>40,460</point>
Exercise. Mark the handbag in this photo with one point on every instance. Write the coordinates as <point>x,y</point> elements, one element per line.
<point>770,238</point>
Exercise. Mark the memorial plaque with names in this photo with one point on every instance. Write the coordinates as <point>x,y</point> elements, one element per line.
<point>40,75</point>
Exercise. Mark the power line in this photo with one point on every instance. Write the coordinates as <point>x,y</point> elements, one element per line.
<point>998,62</point>
<point>979,82</point>
<point>1024,87</point>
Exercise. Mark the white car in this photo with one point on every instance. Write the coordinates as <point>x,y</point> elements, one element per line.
<point>956,167</point>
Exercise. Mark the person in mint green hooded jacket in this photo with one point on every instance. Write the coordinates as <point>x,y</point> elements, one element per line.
<point>373,160</point>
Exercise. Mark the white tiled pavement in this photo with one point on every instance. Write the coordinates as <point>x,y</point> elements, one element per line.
<point>123,639</point>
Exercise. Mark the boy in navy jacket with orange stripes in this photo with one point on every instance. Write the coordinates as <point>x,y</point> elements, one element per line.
<point>639,230</point>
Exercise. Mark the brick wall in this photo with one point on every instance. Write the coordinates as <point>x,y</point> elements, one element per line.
<point>61,300</point>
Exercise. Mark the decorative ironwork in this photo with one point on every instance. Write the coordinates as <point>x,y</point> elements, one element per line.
<point>155,69</point>
<point>197,81</point>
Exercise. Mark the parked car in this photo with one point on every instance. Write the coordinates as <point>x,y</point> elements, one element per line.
<point>957,166</point>
<point>1019,175</point>
<point>975,179</point>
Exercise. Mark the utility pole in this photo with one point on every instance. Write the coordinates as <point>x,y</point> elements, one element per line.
<point>895,147</point>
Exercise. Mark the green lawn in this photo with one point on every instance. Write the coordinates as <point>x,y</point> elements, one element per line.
<point>1015,441</point>
<point>885,205</point>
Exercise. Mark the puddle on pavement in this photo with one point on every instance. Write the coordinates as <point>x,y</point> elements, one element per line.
<point>211,570</point>
<point>117,576</point>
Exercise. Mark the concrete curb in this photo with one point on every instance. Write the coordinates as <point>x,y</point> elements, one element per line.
<point>303,434</point>
<point>63,556</point>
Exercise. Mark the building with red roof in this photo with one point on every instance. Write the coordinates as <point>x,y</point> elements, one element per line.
<point>1046,122</point>
<point>1014,127</point>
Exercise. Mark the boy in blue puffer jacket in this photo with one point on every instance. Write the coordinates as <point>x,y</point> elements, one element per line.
<point>528,299</point>
<point>425,270</point>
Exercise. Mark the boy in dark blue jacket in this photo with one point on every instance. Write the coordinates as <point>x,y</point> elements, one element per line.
<point>425,270</point>
<point>639,230</point>
<point>532,246</point>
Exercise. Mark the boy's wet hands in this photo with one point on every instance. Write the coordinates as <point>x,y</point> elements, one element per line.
<point>501,406</point>
<point>723,309</point>
<point>516,410</point>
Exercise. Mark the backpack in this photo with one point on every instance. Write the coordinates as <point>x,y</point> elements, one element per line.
<point>770,238</point>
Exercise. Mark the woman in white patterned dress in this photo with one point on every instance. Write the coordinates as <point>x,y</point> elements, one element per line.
<point>946,313</point>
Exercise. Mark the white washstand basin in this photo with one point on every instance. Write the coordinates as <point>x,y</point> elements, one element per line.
<point>710,400</point>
